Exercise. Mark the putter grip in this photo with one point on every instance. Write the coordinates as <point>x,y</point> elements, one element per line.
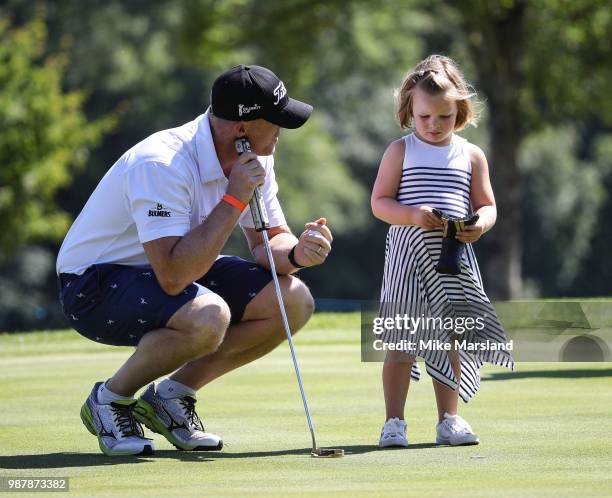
<point>258,211</point>
<point>258,208</point>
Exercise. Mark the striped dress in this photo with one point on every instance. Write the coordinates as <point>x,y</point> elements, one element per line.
<point>439,177</point>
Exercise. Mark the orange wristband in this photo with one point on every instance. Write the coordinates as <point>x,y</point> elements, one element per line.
<point>230,199</point>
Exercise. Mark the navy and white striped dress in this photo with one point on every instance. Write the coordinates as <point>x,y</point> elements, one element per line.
<point>439,177</point>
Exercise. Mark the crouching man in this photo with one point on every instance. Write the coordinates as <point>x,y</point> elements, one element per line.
<point>141,265</point>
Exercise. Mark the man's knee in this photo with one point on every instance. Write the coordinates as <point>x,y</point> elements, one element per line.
<point>299,302</point>
<point>202,322</point>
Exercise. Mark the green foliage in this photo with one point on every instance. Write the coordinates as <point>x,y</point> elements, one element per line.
<point>562,196</point>
<point>44,135</point>
<point>155,62</point>
<point>123,54</point>
<point>568,61</point>
<point>313,182</point>
<point>279,34</point>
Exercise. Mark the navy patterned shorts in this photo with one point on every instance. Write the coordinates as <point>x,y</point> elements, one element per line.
<point>117,305</point>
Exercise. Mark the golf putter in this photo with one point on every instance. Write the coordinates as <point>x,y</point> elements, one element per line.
<point>262,224</point>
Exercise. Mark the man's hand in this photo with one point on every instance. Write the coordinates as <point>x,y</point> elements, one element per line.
<point>314,244</point>
<point>247,173</point>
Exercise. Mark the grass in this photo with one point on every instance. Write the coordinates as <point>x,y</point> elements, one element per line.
<point>545,429</point>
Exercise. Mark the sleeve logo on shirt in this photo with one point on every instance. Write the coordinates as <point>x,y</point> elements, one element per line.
<point>159,211</point>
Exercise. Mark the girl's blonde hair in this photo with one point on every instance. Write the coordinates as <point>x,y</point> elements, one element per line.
<point>437,74</point>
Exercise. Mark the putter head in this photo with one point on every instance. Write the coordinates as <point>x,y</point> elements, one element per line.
<point>327,452</point>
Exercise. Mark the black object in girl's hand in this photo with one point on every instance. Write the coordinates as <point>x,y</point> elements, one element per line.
<point>449,262</point>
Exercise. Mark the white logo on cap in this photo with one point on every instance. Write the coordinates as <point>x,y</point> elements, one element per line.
<point>242,109</point>
<point>280,91</point>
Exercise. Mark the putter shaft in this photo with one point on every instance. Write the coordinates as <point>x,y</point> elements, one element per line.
<point>261,223</point>
<point>289,336</point>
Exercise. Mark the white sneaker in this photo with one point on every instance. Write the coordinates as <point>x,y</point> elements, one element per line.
<point>455,431</point>
<point>176,420</point>
<point>393,434</point>
<point>114,425</point>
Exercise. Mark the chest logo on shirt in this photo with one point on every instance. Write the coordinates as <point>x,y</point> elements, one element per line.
<point>159,211</point>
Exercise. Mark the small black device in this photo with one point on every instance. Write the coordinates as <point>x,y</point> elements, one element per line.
<point>449,262</point>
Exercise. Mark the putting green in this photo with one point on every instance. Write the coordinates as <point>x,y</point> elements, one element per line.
<point>545,429</point>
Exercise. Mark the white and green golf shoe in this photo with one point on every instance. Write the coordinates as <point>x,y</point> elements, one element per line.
<point>177,420</point>
<point>118,432</point>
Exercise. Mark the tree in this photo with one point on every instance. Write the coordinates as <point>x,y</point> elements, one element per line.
<point>538,63</point>
<point>495,37</point>
<point>345,58</point>
<point>44,137</point>
<point>561,196</point>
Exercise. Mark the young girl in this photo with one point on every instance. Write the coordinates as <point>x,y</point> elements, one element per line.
<point>433,168</point>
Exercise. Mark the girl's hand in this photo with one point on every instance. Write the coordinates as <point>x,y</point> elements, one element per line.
<point>471,233</point>
<point>427,220</point>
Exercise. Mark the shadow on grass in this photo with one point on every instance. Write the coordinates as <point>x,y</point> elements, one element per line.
<point>348,450</point>
<point>575,373</point>
<point>61,460</point>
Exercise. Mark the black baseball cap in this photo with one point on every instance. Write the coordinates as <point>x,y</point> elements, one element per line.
<point>245,93</point>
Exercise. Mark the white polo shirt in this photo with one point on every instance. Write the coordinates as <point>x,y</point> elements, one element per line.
<point>164,186</point>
